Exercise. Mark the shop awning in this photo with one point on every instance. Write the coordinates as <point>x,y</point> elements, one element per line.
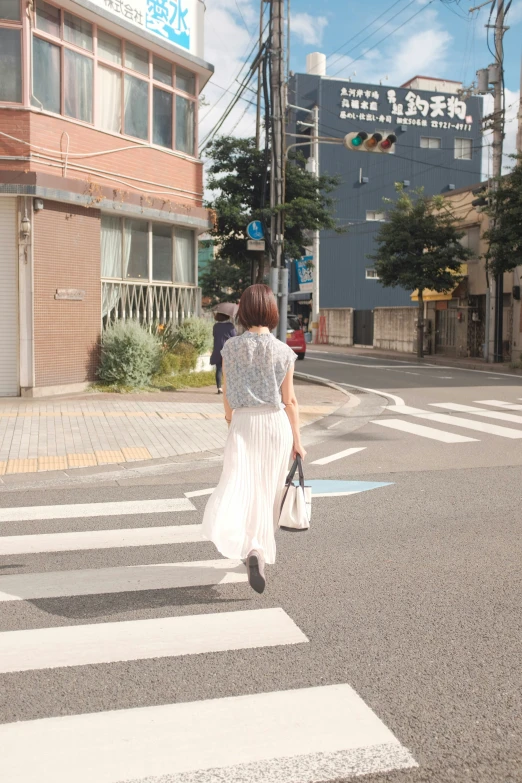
<point>436,296</point>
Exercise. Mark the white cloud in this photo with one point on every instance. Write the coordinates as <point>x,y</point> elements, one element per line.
<point>309,29</point>
<point>227,44</point>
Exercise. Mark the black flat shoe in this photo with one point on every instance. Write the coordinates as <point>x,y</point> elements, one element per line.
<point>256,571</point>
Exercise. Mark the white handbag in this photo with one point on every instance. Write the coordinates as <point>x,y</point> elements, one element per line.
<point>296,507</point>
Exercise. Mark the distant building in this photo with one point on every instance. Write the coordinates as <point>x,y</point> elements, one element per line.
<point>101,188</point>
<point>438,148</point>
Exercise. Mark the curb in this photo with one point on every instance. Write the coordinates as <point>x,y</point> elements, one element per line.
<point>355,401</point>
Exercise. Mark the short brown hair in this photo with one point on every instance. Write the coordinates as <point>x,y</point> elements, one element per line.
<point>258,307</point>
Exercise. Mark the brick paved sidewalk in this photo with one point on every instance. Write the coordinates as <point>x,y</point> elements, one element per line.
<point>100,429</point>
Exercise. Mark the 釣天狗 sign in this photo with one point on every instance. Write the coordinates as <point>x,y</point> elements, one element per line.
<point>435,110</point>
<point>175,21</point>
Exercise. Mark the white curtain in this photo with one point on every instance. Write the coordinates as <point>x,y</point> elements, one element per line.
<point>111,235</point>
<point>184,255</point>
<point>78,85</point>
<point>108,99</point>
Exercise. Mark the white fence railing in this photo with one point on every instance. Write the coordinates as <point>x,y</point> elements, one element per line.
<point>148,303</point>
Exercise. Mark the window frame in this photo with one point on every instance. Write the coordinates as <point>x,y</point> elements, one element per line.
<point>375,219</point>
<point>121,68</point>
<point>17,24</point>
<point>150,280</point>
<point>431,138</point>
<point>370,277</point>
<point>460,139</point>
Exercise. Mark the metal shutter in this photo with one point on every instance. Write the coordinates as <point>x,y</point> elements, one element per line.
<point>8,298</point>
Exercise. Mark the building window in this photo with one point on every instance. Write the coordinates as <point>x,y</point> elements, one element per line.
<point>371,274</point>
<point>109,47</point>
<point>46,75</point>
<point>429,143</point>
<point>463,149</point>
<point>185,81</point>
<point>128,79</point>
<point>108,104</point>
<point>10,10</point>
<point>136,102</point>
<point>126,246</point>
<point>77,77</point>
<point>48,18</point>
<point>77,31</point>
<point>184,255</point>
<point>371,214</point>
<point>136,244</point>
<point>10,64</point>
<point>162,70</point>
<point>162,118</point>
<point>162,252</point>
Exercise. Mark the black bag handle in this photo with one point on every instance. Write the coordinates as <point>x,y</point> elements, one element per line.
<point>297,466</point>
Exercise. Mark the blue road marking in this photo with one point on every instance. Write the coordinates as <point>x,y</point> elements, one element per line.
<point>332,487</point>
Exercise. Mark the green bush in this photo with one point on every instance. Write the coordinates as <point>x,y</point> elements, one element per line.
<point>170,363</point>
<point>196,332</point>
<point>130,355</point>
<point>187,355</point>
<point>166,333</point>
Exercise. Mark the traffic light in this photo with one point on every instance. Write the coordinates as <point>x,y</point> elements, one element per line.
<point>363,142</point>
<point>482,201</point>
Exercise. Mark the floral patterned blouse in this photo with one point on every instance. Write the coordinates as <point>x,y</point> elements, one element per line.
<point>255,367</point>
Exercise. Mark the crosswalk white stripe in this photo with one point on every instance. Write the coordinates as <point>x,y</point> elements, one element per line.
<point>81,645</point>
<point>498,415</point>
<point>457,421</point>
<point>79,510</point>
<point>339,455</point>
<point>100,539</point>
<point>424,432</point>
<point>300,735</point>
<point>96,581</point>
<point>199,492</point>
<point>511,406</point>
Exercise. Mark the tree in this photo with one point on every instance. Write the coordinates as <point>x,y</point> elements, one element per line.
<point>418,248</point>
<point>505,213</point>
<point>239,177</point>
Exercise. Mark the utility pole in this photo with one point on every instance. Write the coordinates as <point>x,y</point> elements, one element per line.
<point>316,234</point>
<point>494,75</point>
<point>519,134</point>
<point>495,354</point>
<point>259,77</point>
<point>278,269</point>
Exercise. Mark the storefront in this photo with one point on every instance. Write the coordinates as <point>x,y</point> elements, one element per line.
<point>101,189</point>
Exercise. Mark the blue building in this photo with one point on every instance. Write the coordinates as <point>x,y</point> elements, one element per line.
<point>438,147</point>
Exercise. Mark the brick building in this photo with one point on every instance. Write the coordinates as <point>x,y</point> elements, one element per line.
<point>100,184</point>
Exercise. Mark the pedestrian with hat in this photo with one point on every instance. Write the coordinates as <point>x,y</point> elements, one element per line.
<point>224,329</point>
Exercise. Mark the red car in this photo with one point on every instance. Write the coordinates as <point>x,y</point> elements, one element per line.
<point>295,338</point>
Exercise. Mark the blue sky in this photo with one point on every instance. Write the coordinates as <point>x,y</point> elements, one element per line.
<point>397,39</point>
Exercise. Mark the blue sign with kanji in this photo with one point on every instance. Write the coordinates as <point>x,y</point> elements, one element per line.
<point>168,18</point>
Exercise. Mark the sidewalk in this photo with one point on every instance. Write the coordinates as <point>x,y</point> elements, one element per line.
<point>379,353</point>
<point>91,430</point>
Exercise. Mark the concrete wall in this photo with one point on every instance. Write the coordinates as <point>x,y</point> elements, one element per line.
<point>395,328</point>
<point>339,325</point>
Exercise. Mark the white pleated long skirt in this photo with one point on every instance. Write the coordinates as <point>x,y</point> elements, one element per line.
<point>243,512</point>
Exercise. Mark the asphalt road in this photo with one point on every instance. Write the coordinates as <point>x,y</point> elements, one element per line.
<point>407,594</point>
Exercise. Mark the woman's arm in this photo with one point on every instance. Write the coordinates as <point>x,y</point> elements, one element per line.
<point>228,409</point>
<point>292,411</point>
